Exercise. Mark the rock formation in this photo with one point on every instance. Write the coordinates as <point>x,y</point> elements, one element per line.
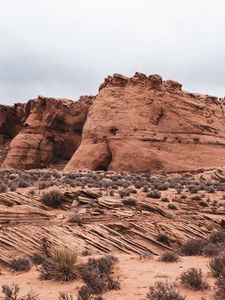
<point>134,124</point>
<point>51,132</point>
<point>10,121</point>
<point>144,123</point>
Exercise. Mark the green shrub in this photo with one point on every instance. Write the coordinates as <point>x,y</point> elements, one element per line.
<point>61,266</point>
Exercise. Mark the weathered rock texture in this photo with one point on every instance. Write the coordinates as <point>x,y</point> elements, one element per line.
<point>10,121</point>
<point>51,132</point>
<point>143,123</point>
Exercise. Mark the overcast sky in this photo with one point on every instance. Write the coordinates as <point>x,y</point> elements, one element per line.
<point>65,48</point>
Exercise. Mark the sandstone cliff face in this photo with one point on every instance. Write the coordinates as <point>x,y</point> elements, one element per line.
<point>10,121</point>
<point>51,132</point>
<point>143,123</point>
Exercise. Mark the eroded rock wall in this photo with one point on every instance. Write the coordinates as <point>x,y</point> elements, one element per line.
<point>143,123</point>
<point>51,132</point>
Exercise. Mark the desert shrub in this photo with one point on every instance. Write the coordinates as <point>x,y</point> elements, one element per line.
<point>193,189</point>
<point>65,296</point>
<point>96,274</point>
<point>172,206</point>
<point>154,195</point>
<point>203,203</point>
<point>3,187</point>
<point>20,264</point>
<point>161,187</point>
<point>163,238</point>
<point>193,247</point>
<point>11,292</point>
<point>132,190</point>
<point>169,256</point>
<point>211,249</point>
<point>217,237</point>
<point>220,288</point>
<point>76,219</point>
<point>44,184</point>
<point>60,266</point>
<point>37,259</point>
<point>164,291</point>
<point>217,265</point>
<point>130,202</point>
<point>197,198</point>
<point>124,193</point>
<point>53,198</point>
<point>145,189</point>
<point>111,193</point>
<point>85,293</point>
<point>211,190</point>
<point>86,252</point>
<point>193,279</point>
<point>23,183</point>
<point>165,199</point>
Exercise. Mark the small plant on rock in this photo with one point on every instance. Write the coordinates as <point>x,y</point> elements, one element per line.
<point>163,238</point>
<point>130,202</point>
<point>53,198</point>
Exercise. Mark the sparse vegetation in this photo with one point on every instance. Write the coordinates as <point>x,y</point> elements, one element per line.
<point>20,264</point>
<point>193,279</point>
<point>220,288</point>
<point>38,259</point>
<point>62,265</point>
<point>163,238</point>
<point>169,256</point>
<point>130,202</point>
<point>154,195</point>
<point>164,291</point>
<point>96,275</point>
<point>172,206</point>
<point>193,247</point>
<point>76,219</point>
<point>217,265</point>
<point>11,292</point>
<point>65,296</point>
<point>53,198</point>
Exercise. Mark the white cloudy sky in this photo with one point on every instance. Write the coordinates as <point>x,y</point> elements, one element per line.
<point>65,48</point>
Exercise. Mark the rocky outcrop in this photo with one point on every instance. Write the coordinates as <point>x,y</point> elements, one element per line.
<point>10,121</point>
<point>143,123</point>
<point>50,133</point>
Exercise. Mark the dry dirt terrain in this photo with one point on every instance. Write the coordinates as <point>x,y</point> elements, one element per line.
<point>135,217</point>
<point>120,195</point>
